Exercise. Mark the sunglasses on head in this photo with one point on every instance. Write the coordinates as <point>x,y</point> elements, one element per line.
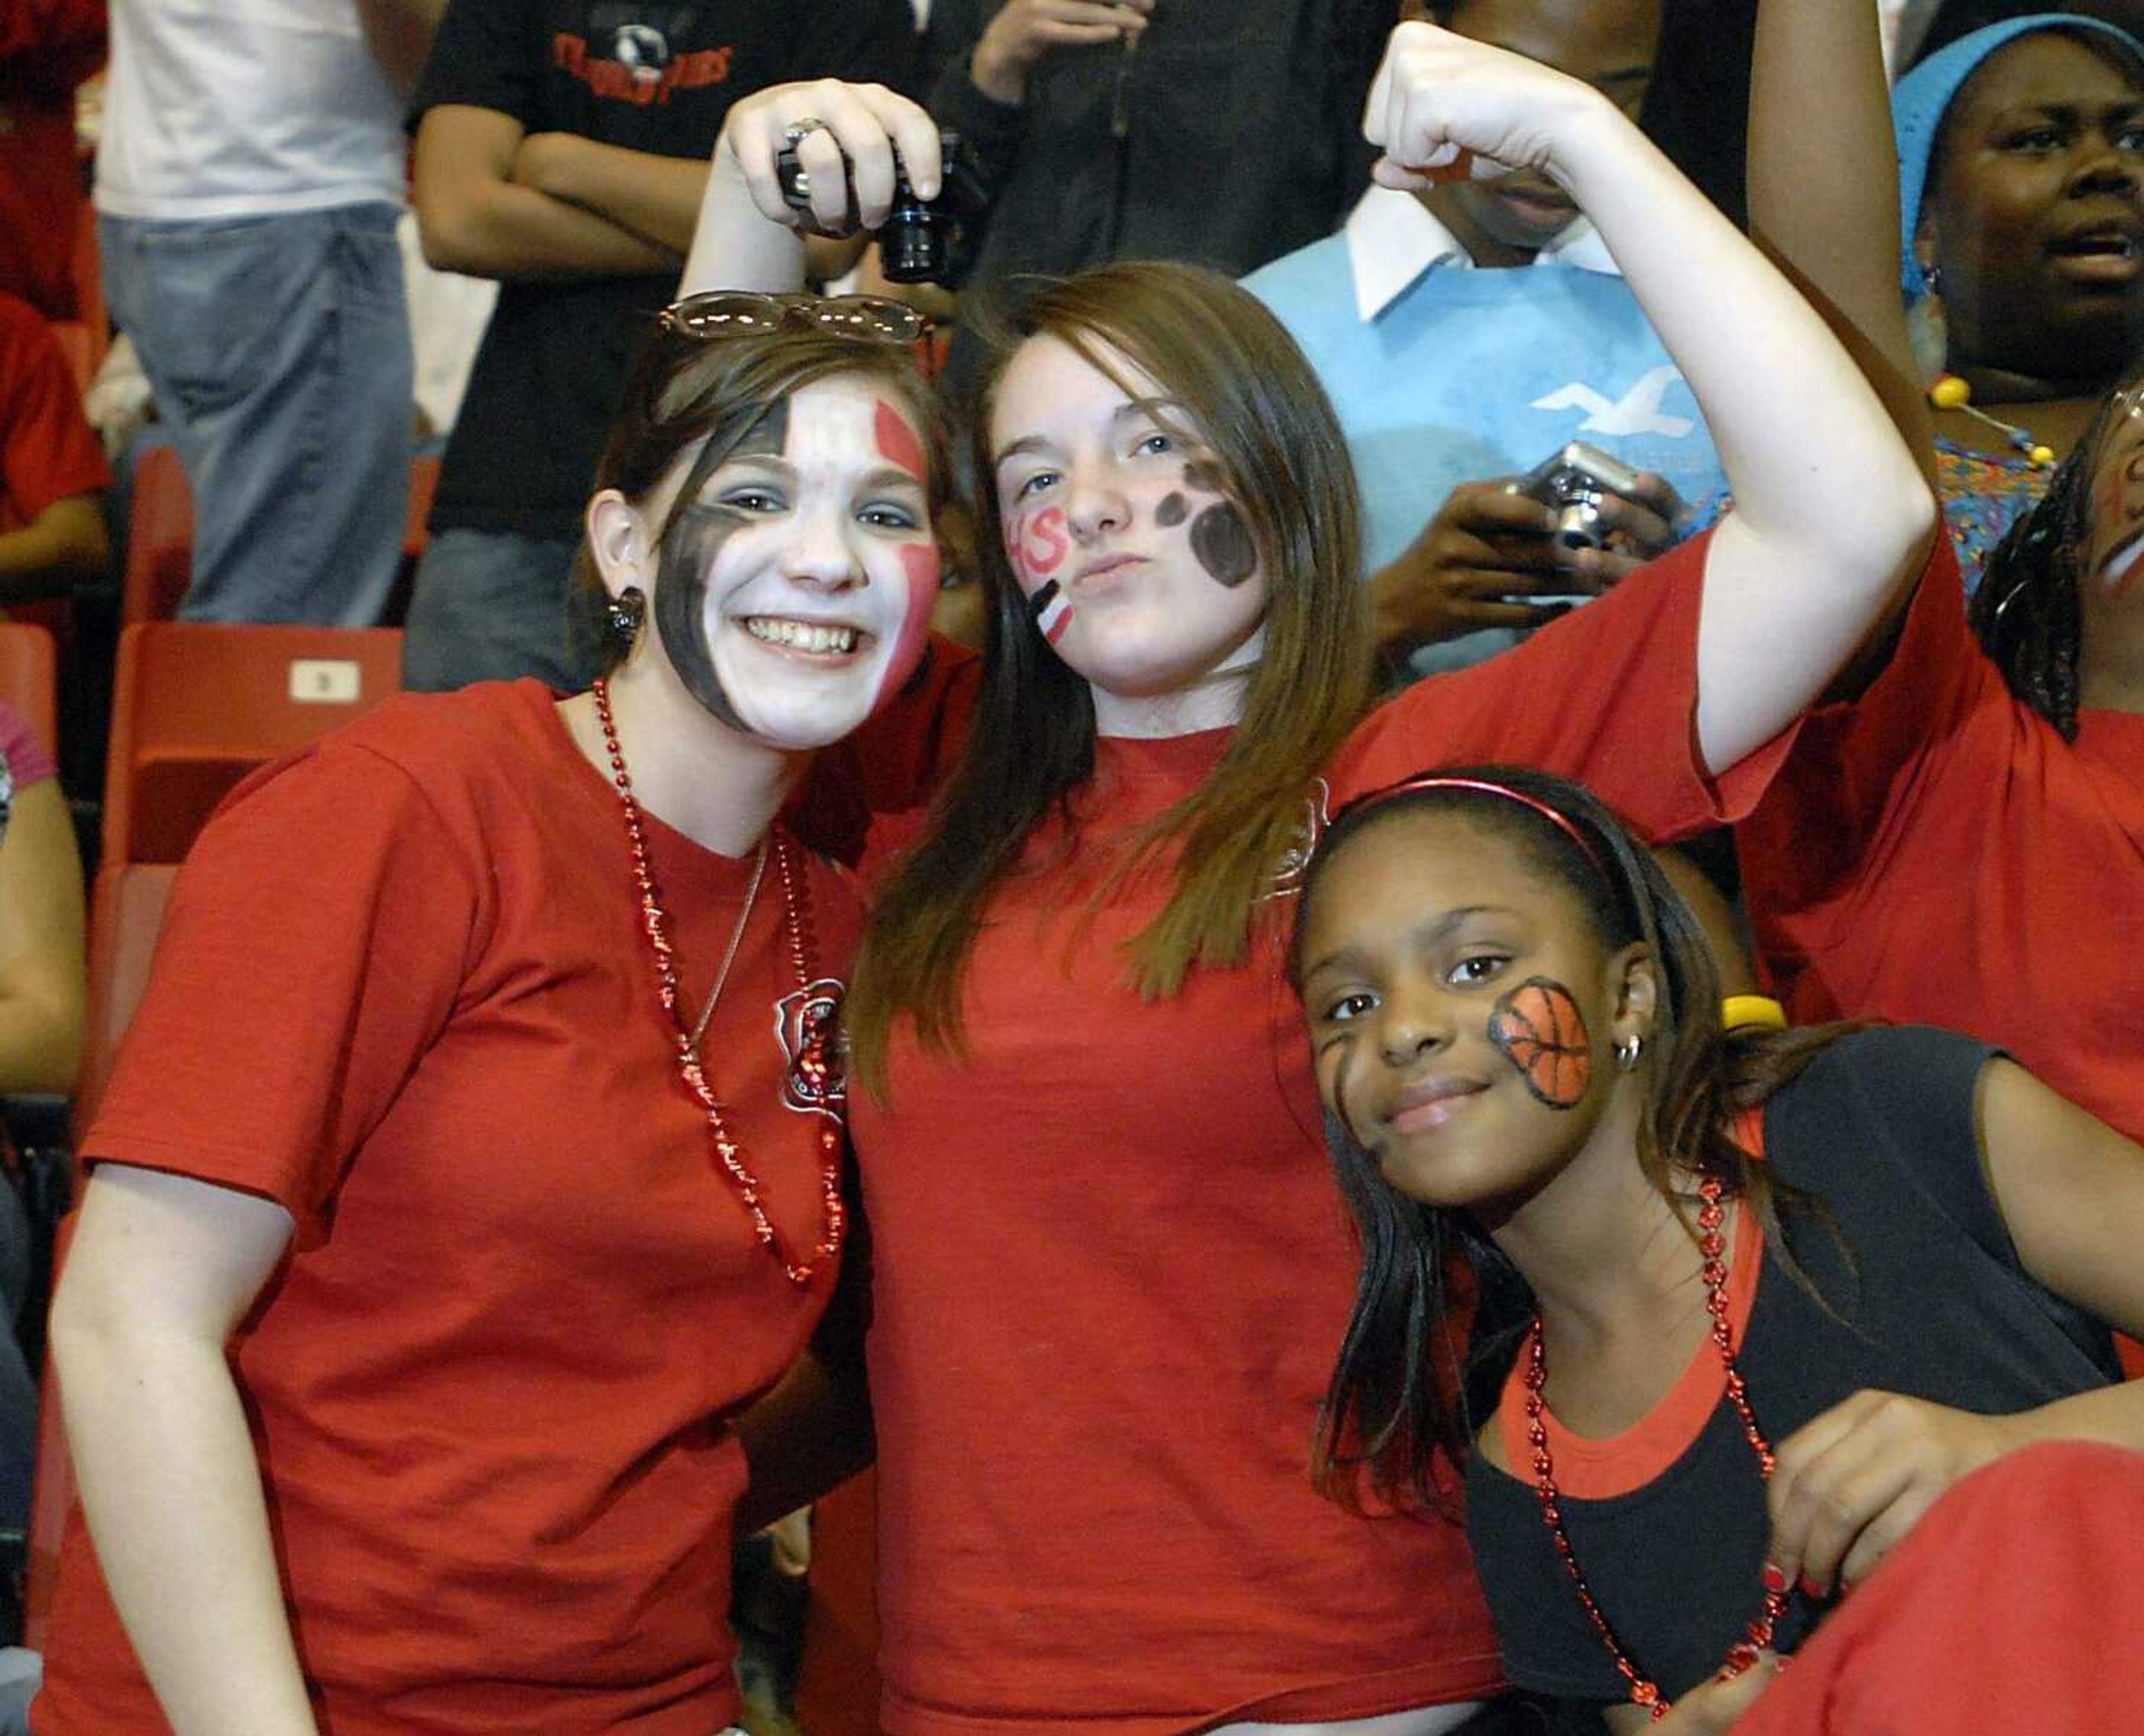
<point>732,313</point>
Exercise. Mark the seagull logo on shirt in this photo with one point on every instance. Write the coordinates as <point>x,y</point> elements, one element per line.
<point>1636,412</point>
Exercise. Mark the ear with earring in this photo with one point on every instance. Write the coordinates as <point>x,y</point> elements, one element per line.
<point>1628,1050</point>
<point>622,616</point>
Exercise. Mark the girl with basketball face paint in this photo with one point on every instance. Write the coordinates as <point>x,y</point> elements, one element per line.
<point>1464,1008</point>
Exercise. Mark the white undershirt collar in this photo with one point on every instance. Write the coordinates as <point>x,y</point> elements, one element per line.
<point>1393,238</point>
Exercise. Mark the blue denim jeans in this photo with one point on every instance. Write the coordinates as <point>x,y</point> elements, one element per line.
<point>491,606</point>
<point>278,348</point>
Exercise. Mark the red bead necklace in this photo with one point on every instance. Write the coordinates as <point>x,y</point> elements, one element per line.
<point>1644,1690</point>
<point>796,912</point>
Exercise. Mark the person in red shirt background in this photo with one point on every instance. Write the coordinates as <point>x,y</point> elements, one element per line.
<point>52,467</point>
<point>1959,836</point>
<point>47,47</point>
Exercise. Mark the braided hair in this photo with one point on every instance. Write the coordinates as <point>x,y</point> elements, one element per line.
<point>2025,612</point>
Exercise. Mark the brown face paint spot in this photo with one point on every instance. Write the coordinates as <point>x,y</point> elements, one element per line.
<point>1542,1034</point>
<point>898,442</point>
<point>681,590</point>
<point>1172,512</point>
<point>1221,540</point>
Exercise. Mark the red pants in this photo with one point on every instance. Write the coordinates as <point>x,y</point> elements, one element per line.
<point>2016,1604</point>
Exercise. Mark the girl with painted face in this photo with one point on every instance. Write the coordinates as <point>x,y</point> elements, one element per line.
<point>1957,837</point>
<point>475,1159</point>
<point>2017,233</point>
<point>1109,1270</point>
<point>1741,1336</point>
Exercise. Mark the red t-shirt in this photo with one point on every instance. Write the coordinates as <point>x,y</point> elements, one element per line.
<point>403,991</point>
<point>1112,1268</point>
<point>1936,854</point>
<point>48,450</point>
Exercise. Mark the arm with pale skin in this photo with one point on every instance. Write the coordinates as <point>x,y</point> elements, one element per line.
<point>161,1270</point>
<point>1793,584</point>
<point>474,217</point>
<point>43,976</point>
<point>1852,1482</point>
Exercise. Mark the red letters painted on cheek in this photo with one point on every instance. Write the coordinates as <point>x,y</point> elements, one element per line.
<point>1038,545</point>
<point>920,567</point>
<point>897,441</point>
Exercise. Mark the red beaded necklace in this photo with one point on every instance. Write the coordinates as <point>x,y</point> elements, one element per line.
<point>1644,1690</point>
<point>796,911</point>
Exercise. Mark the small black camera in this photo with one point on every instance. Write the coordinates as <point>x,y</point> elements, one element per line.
<point>921,240</point>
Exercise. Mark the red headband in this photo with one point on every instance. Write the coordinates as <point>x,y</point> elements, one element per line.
<point>1484,786</point>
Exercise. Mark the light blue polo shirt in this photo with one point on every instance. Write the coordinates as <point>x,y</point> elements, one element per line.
<point>1459,374</point>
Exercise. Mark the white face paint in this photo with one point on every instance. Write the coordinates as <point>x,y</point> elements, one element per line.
<point>795,586</point>
<point>1140,569</point>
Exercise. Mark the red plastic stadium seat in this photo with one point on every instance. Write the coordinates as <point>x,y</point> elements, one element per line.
<point>125,915</point>
<point>196,705</point>
<point>160,539</point>
<point>29,681</point>
<point>160,534</point>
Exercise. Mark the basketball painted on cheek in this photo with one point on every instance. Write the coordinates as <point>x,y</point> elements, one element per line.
<point>1541,1032</point>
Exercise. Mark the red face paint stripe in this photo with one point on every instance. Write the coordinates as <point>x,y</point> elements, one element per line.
<point>920,567</point>
<point>897,441</point>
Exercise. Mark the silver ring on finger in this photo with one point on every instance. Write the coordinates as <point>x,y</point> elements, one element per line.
<point>797,131</point>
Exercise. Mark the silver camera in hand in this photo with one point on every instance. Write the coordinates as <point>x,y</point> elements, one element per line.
<point>1572,481</point>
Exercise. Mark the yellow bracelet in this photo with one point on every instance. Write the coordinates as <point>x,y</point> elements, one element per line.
<point>1748,1009</point>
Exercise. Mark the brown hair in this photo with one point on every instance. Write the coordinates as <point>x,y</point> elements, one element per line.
<point>1409,1384</point>
<point>682,390</point>
<point>1260,410</point>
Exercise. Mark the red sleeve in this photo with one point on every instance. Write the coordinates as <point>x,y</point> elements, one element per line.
<point>48,450</point>
<point>895,760</point>
<point>1859,769</point>
<point>315,942</point>
<point>1606,697</point>
<point>26,757</point>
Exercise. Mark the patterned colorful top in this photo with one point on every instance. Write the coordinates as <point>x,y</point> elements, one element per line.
<point>1983,494</point>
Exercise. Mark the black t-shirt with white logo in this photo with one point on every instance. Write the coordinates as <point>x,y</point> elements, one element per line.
<point>647,75</point>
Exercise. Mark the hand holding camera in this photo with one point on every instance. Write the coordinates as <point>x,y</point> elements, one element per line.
<point>849,141</point>
<point>1515,552</point>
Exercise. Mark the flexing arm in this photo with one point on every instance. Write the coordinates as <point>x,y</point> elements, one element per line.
<point>1824,188</point>
<point>399,33</point>
<point>161,1270</point>
<point>64,546</point>
<point>476,218</point>
<point>1853,1481</point>
<point>43,978</point>
<point>1832,519</point>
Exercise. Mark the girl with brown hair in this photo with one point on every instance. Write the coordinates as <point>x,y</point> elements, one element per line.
<point>475,1157</point>
<point>1718,1320</point>
<point>1107,1262</point>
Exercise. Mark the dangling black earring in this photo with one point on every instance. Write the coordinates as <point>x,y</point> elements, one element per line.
<point>622,616</point>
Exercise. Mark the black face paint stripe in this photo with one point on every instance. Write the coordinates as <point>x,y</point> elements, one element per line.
<point>695,537</point>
